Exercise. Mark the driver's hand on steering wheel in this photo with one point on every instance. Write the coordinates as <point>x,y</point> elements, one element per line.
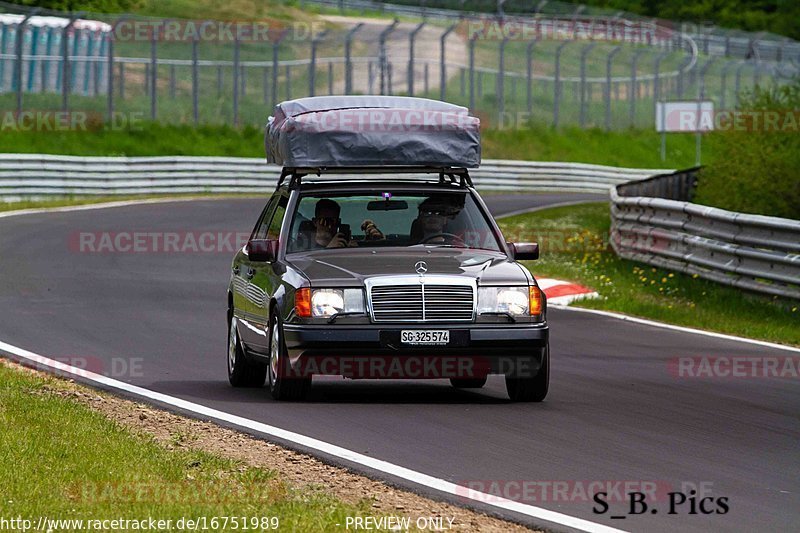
<point>442,238</point>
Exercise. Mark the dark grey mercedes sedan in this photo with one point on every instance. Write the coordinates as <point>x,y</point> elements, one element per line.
<point>383,272</point>
<point>339,278</point>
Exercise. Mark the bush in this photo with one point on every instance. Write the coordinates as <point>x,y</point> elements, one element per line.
<point>757,171</point>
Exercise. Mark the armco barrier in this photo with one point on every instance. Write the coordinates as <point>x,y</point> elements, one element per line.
<point>34,175</point>
<point>651,219</point>
<point>754,252</point>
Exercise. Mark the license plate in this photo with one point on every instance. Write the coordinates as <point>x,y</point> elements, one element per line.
<point>425,336</point>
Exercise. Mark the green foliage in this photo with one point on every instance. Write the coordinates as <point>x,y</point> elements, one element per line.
<point>91,6</point>
<point>776,16</point>
<point>60,459</point>
<point>625,148</point>
<point>757,171</point>
<point>631,148</point>
<point>149,139</point>
<point>189,9</point>
<point>574,245</point>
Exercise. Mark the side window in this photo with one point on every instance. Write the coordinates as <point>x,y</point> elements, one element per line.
<point>274,230</point>
<point>260,231</point>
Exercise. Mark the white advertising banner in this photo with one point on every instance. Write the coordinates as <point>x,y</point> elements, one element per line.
<point>686,116</point>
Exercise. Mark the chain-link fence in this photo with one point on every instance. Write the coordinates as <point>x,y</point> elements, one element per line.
<point>579,68</point>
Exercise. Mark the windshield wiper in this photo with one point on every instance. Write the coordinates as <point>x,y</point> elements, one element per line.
<point>333,317</point>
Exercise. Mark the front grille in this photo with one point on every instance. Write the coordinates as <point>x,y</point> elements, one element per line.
<point>422,302</point>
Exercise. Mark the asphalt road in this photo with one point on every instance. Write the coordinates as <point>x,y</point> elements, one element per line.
<point>615,412</point>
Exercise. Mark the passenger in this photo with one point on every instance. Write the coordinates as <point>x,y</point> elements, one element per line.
<point>371,231</point>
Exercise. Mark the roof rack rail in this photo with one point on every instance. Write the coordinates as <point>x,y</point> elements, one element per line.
<point>452,175</point>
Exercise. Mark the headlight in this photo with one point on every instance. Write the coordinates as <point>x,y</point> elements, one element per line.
<point>328,302</point>
<point>516,301</point>
<point>511,300</point>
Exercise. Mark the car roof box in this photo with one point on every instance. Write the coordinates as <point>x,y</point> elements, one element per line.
<point>372,131</point>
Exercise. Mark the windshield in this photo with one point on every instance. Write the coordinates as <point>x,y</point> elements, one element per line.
<point>390,218</point>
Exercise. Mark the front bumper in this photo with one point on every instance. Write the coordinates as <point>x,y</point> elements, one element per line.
<point>375,351</point>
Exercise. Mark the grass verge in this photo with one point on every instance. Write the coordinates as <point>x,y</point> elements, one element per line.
<point>574,242</point>
<point>59,458</point>
<point>76,453</point>
<point>629,148</point>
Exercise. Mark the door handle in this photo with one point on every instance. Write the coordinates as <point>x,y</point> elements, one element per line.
<point>236,270</point>
<point>250,273</point>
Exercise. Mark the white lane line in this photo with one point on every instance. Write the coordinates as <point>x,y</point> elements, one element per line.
<point>683,329</point>
<point>324,447</point>
<point>121,203</point>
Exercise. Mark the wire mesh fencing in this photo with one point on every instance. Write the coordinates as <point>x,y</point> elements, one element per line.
<point>587,69</point>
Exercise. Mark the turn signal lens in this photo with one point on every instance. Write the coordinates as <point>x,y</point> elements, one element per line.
<point>535,300</point>
<point>302,303</point>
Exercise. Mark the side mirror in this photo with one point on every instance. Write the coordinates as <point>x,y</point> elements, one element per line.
<point>262,250</point>
<point>524,251</point>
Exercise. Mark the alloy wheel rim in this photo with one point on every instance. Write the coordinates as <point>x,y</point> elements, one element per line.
<point>274,353</point>
<point>232,341</point>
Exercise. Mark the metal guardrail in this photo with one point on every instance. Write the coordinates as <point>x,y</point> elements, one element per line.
<point>651,219</point>
<point>35,175</point>
<point>753,252</point>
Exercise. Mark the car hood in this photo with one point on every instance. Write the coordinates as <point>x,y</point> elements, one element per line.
<point>346,266</point>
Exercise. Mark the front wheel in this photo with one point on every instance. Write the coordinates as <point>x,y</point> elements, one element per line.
<point>242,372</point>
<point>531,389</point>
<point>282,385</point>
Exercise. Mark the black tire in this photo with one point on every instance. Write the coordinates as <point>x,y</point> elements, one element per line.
<point>242,370</point>
<point>468,383</point>
<point>281,386</point>
<point>531,389</point>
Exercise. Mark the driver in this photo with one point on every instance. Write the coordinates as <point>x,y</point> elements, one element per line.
<point>434,214</point>
<point>326,225</point>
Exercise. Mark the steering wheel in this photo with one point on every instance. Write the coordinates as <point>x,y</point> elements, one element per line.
<point>447,236</point>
